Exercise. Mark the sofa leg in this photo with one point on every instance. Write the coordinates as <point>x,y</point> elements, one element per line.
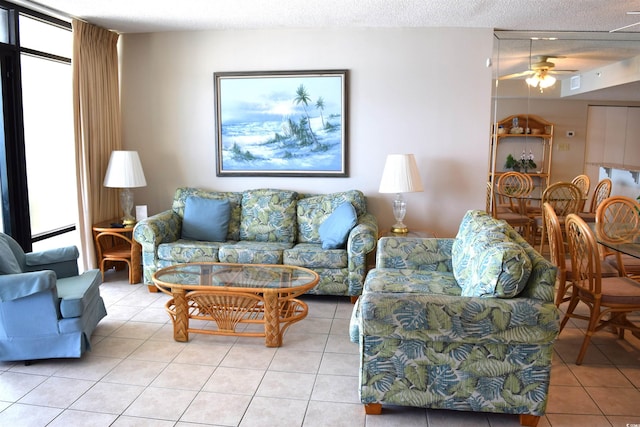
<point>152,288</point>
<point>529,420</point>
<point>354,299</point>
<point>373,408</point>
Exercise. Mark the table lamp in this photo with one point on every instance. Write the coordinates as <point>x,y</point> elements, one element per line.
<point>400,175</point>
<point>125,172</point>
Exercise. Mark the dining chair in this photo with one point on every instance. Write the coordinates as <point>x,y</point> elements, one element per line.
<point>558,256</point>
<point>601,192</point>
<point>621,210</point>
<point>565,199</point>
<point>584,184</point>
<point>519,221</point>
<point>609,298</point>
<point>511,183</point>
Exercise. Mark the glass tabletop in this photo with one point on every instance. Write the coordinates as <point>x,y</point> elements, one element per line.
<point>253,276</point>
<point>621,237</point>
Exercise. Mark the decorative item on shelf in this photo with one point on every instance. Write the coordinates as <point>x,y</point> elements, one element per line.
<point>511,163</point>
<point>400,175</point>
<point>125,172</point>
<point>526,161</point>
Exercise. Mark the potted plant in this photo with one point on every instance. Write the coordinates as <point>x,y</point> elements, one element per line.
<point>512,163</point>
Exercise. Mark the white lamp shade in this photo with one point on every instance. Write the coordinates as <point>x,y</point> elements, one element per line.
<point>124,170</point>
<point>400,175</point>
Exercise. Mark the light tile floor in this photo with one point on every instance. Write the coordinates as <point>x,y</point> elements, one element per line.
<point>137,375</point>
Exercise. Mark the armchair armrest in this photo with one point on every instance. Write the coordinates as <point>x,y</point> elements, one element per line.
<point>362,240</point>
<point>15,286</point>
<point>416,253</point>
<point>448,318</point>
<point>63,261</point>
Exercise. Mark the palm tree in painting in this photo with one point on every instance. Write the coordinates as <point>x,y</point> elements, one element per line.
<point>320,106</point>
<point>302,97</point>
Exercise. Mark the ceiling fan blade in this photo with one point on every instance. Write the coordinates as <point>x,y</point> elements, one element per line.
<point>562,71</point>
<point>626,26</point>
<point>515,75</point>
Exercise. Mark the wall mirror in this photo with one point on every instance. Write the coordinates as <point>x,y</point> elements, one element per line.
<point>590,70</point>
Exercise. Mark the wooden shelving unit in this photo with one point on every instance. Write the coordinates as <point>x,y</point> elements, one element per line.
<point>536,138</point>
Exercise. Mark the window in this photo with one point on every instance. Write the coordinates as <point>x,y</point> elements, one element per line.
<point>38,180</point>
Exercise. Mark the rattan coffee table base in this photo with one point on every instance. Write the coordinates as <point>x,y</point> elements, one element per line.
<point>233,312</point>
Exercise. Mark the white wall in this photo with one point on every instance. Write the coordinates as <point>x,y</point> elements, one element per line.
<point>421,91</point>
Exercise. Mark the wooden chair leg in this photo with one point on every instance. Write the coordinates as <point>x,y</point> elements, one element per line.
<point>529,420</point>
<point>373,408</point>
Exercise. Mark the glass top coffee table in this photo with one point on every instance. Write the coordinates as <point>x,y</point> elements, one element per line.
<point>234,295</point>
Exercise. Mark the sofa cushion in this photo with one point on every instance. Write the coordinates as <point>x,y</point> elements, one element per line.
<point>235,200</point>
<point>251,252</point>
<point>473,223</point>
<point>8,262</point>
<point>206,219</point>
<point>411,281</point>
<point>268,216</point>
<point>78,292</point>
<point>312,211</point>
<point>312,255</point>
<point>189,251</point>
<point>497,267</point>
<point>334,230</point>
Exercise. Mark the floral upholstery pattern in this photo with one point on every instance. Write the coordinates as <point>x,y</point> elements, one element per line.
<point>245,252</point>
<point>423,344</point>
<point>314,209</point>
<point>313,256</point>
<point>265,227</point>
<point>268,216</point>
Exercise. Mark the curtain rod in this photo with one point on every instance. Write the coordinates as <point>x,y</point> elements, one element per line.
<point>38,7</point>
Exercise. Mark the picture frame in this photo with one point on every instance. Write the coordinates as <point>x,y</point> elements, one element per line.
<point>281,123</point>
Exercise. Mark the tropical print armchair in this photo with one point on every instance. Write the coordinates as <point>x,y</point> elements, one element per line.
<point>423,344</point>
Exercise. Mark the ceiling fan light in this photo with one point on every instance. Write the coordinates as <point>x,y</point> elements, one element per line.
<point>547,81</point>
<point>533,81</point>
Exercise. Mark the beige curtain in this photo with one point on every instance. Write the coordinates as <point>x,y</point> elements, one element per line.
<point>96,105</point>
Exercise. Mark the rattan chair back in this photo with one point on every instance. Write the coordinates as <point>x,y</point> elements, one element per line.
<point>601,192</point>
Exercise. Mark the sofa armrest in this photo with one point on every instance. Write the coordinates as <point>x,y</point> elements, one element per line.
<point>16,286</point>
<point>161,228</point>
<point>415,253</point>
<point>63,261</point>
<point>446,318</point>
<point>362,240</point>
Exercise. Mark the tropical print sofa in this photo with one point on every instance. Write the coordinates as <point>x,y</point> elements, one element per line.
<point>462,324</point>
<point>267,226</point>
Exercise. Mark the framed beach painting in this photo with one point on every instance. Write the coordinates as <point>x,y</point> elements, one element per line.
<point>281,123</point>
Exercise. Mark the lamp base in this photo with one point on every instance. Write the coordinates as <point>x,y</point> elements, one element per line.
<point>128,222</point>
<point>399,229</point>
<point>126,200</point>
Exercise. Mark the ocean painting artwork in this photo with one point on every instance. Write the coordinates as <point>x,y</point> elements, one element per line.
<point>281,123</point>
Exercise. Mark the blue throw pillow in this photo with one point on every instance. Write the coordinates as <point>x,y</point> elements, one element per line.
<point>206,219</point>
<point>334,231</point>
<point>8,262</point>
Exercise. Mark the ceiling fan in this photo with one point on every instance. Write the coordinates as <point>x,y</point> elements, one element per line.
<point>541,67</point>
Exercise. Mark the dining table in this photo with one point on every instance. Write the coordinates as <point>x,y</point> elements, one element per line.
<point>618,236</point>
<point>621,237</point>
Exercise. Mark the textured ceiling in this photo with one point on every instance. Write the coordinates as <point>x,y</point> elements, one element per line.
<point>127,16</point>
<point>589,51</point>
